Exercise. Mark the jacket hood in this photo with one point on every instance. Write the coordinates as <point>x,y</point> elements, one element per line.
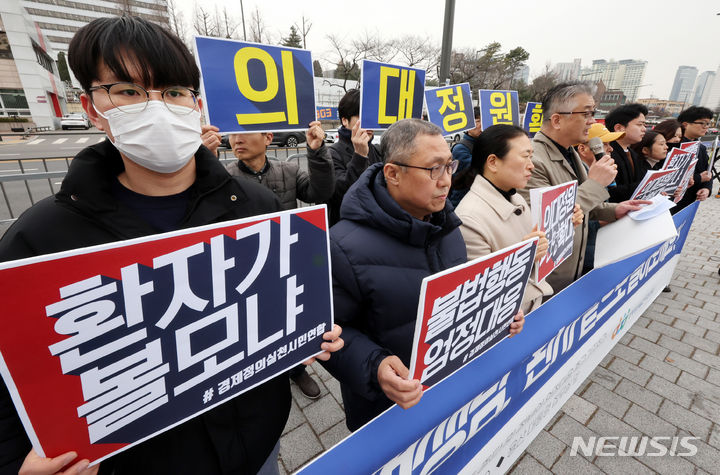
<point>368,202</point>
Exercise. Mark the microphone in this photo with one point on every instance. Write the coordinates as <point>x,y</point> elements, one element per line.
<point>597,147</point>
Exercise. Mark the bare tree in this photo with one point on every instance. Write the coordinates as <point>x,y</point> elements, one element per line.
<point>203,22</point>
<point>258,29</point>
<point>177,22</point>
<point>227,26</point>
<point>418,52</point>
<point>346,58</point>
<point>371,46</point>
<point>304,29</point>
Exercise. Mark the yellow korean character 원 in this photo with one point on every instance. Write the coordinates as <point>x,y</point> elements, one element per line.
<point>501,110</point>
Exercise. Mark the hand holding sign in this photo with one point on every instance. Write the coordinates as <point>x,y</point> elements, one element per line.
<point>578,215</point>
<point>332,343</point>
<point>315,135</point>
<point>702,194</point>
<point>517,325</point>
<point>603,171</point>
<point>705,176</point>
<point>210,137</point>
<point>392,377</point>
<point>542,246</point>
<point>37,465</point>
<point>360,138</point>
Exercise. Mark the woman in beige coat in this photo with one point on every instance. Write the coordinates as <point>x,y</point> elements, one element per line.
<point>493,215</point>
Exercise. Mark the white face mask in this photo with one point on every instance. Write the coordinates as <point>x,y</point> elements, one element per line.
<point>155,138</point>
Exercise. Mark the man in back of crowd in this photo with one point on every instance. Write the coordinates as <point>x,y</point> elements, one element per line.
<point>462,152</point>
<point>396,228</point>
<point>285,178</point>
<point>569,109</point>
<point>630,119</point>
<point>290,184</point>
<point>600,131</point>
<point>152,175</point>
<point>695,122</point>
<point>352,153</point>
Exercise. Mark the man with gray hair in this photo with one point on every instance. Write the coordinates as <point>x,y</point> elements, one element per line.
<point>569,111</point>
<point>395,229</point>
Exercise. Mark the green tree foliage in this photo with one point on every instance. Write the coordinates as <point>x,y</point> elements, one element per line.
<point>317,69</point>
<point>63,67</point>
<point>487,68</point>
<point>294,40</point>
<point>347,70</point>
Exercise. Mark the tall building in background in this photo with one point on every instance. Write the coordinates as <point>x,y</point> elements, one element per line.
<point>626,75</point>
<point>567,71</point>
<point>711,95</point>
<point>522,74</point>
<point>703,84</point>
<point>30,87</point>
<point>682,87</point>
<point>60,19</point>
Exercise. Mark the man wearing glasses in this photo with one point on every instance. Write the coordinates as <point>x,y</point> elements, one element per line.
<point>396,227</point>
<point>695,122</point>
<point>152,175</point>
<point>569,109</point>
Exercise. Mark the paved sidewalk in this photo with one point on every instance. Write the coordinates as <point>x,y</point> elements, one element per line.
<point>662,379</point>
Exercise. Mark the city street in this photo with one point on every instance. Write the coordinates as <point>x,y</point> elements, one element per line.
<point>52,152</point>
<point>65,143</point>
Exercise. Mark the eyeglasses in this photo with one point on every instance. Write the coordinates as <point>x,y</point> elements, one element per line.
<point>586,114</point>
<point>437,170</point>
<point>125,95</point>
<point>703,124</point>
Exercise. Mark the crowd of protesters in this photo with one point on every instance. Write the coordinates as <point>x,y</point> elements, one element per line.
<point>393,223</point>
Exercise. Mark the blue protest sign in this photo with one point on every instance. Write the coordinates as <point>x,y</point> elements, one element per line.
<point>389,93</point>
<point>533,118</point>
<point>326,113</point>
<point>499,107</point>
<point>250,87</point>
<point>481,419</point>
<point>450,108</point>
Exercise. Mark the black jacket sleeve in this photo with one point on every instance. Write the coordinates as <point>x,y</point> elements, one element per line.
<point>316,185</point>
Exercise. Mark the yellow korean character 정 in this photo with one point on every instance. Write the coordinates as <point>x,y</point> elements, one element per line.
<point>457,120</point>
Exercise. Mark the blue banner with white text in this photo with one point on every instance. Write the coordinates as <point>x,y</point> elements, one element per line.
<point>465,415</point>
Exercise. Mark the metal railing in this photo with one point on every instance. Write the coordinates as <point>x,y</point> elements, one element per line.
<point>24,188</point>
<point>32,189</point>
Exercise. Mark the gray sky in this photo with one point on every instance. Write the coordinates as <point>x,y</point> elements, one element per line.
<point>551,31</point>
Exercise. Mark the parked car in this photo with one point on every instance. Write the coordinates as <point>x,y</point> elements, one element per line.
<point>285,139</point>
<point>331,136</point>
<point>288,139</point>
<point>377,136</point>
<point>74,121</point>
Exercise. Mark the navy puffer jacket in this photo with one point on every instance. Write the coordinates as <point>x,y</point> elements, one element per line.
<point>380,255</point>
